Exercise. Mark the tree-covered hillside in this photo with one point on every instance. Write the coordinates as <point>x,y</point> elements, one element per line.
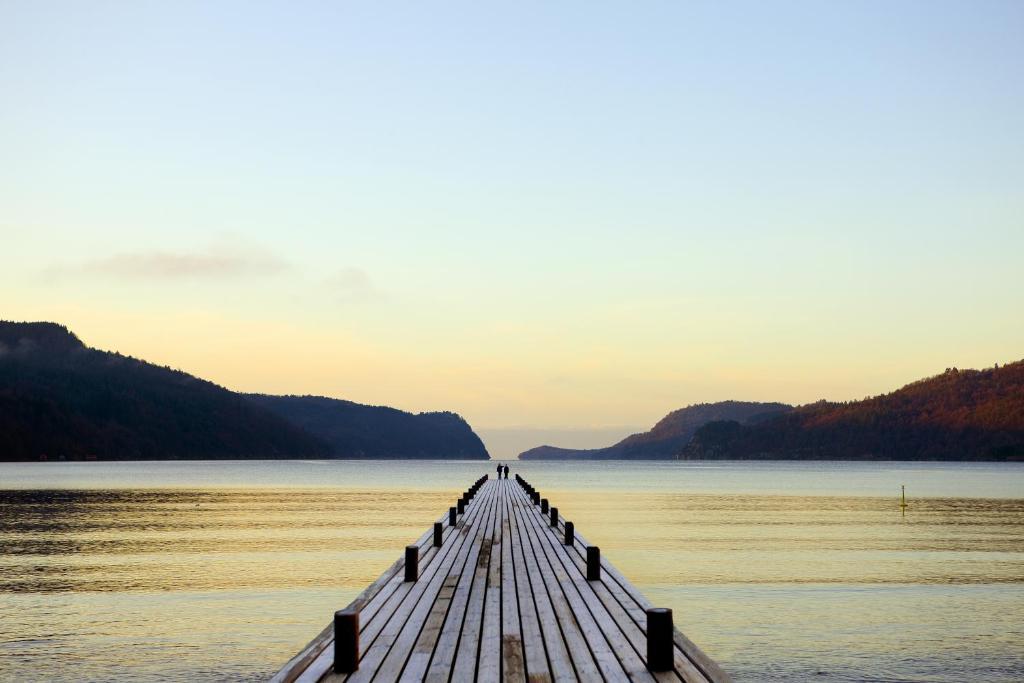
<point>60,399</point>
<point>958,415</point>
<point>354,430</point>
<point>664,440</point>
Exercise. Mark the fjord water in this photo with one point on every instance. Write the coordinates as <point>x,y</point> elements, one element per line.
<point>779,570</point>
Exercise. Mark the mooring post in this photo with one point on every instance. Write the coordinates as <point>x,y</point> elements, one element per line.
<point>570,533</point>
<point>554,517</point>
<point>346,640</point>
<point>461,505</point>
<point>593,563</point>
<point>543,506</point>
<point>438,533</point>
<point>451,516</point>
<point>412,562</point>
<point>659,639</point>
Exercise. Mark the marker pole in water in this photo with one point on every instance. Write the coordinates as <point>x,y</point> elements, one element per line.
<point>903,498</point>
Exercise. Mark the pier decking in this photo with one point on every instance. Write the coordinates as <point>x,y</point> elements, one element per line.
<point>501,595</point>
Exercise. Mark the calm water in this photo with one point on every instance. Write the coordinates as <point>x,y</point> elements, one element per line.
<point>222,571</point>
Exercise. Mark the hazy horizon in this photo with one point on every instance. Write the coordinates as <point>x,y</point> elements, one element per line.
<point>507,443</point>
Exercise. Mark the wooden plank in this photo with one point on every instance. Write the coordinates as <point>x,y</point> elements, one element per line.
<point>491,643</point>
<point>513,666</point>
<point>440,633</point>
<point>460,638</point>
<point>688,662</point>
<point>381,605</point>
<point>559,662</point>
<point>562,632</point>
<point>684,668</point>
<point>630,627</point>
<point>572,584</point>
<point>413,608</point>
<point>630,660</point>
<point>298,667</point>
<point>534,650</point>
<point>709,668</point>
<point>392,588</point>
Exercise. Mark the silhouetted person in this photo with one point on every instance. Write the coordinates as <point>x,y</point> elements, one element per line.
<point>506,471</point>
<point>499,470</point>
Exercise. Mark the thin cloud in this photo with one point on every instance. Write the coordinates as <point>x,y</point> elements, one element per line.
<point>354,284</point>
<point>213,264</point>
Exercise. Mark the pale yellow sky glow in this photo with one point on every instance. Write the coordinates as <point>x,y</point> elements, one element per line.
<point>642,211</point>
<point>555,379</point>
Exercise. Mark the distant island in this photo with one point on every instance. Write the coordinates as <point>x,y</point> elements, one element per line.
<point>62,400</point>
<point>960,415</point>
<point>667,438</point>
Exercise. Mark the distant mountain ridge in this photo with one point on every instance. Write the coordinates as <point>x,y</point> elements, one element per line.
<point>60,399</point>
<point>958,415</point>
<point>667,437</point>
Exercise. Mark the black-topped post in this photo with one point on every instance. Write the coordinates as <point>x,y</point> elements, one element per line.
<point>452,512</point>
<point>412,562</point>
<point>438,534</point>
<point>554,516</point>
<point>346,640</point>
<point>593,563</point>
<point>659,639</point>
<point>570,533</point>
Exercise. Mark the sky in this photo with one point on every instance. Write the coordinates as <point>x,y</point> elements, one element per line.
<point>550,216</point>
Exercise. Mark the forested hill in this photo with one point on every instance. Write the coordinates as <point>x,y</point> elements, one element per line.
<point>361,431</point>
<point>958,415</point>
<point>667,437</point>
<point>60,399</point>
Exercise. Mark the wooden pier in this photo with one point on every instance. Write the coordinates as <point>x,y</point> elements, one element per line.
<point>502,588</point>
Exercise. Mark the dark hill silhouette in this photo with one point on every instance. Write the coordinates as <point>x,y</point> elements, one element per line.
<point>667,437</point>
<point>361,431</point>
<point>958,415</point>
<point>62,399</point>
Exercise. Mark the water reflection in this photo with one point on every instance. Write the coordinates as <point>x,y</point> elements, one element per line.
<point>227,583</point>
